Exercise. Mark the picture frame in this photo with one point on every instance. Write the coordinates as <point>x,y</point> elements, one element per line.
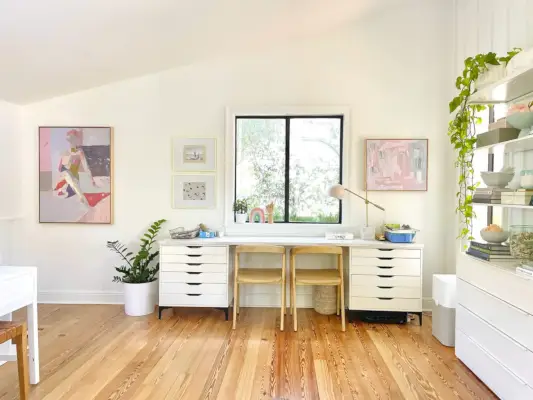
<point>396,164</point>
<point>194,191</point>
<point>194,154</point>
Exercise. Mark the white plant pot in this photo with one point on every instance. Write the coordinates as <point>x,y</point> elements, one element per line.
<point>240,218</point>
<point>140,298</point>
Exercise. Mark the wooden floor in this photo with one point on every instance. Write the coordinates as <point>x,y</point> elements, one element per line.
<point>96,352</point>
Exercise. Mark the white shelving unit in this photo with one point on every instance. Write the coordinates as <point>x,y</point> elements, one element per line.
<point>510,89</point>
<point>515,145</point>
<point>503,205</point>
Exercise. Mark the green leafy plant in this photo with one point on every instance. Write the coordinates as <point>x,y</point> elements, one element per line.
<point>138,268</point>
<point>462,130</point>
<point>240,206</point>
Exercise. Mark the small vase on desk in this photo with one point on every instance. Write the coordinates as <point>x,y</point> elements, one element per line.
<point>368,233</point>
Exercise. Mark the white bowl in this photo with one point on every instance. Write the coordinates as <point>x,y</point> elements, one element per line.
<point>497,179</point>
<point>494,237</point>
<point>520,120</point>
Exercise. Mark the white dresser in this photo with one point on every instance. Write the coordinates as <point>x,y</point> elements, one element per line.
<point>494,326</point>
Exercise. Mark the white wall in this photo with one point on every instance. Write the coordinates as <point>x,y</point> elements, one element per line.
<point>393,71</point>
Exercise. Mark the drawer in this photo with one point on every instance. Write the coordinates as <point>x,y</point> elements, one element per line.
<point>385,270</point>
<point>510,320</point>
<point>194,267</point>
<point>385,280</point>
<point>194,258</point>
<point>193,300</point>
<point>212,250</point>
<point>508,352</point>
<point>394,253</point>
<point>193,288</point>
<point>193,277</point>
<point>385,262</point>
<point>385,304</point>
<point>385,291</point>
<point>498,378</point>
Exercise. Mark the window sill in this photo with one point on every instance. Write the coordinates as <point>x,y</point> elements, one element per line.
<point>296,229</point>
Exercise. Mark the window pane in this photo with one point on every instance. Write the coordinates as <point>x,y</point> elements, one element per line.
<point>315,154</point>
<point>260,163</point>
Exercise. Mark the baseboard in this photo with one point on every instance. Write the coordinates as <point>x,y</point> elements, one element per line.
<point>427,304</point>
<point>79,297</point>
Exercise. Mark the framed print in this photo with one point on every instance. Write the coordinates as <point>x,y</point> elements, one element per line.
<point>193,191</point>
<point>75,175</point>
<point>194,154</point>
<point>396,164</point>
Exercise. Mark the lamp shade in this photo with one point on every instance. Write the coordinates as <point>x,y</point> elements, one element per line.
<point>336,191</point>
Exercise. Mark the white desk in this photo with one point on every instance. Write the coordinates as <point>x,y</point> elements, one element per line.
<point>379,276</point>
<point>18,288</point>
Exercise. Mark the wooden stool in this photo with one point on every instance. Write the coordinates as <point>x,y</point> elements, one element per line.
<point>324,277</point>
<point>274,276</point>
<point>17,332</point>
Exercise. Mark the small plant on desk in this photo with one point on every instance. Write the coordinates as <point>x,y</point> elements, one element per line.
<point>240,208</point>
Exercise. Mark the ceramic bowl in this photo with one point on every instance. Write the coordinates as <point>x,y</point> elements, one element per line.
<point>520,120</point>
<point>497,179</point>
<point>494,237</point>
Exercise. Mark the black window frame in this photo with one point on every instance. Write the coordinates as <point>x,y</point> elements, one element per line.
<point>288,118</point>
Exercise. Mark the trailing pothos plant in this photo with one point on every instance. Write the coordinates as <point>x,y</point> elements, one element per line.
<point>462,130</point>
<point>137,267</point>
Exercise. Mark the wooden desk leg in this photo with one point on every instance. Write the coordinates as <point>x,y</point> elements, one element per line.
<point>33,339</point>
<point>22,363</point>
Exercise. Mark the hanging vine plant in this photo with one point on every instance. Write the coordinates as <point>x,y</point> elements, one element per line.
<point>462,130</point>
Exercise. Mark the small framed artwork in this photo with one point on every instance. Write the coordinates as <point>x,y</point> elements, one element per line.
<point>396,164</point>
<point>194,154</point>
<point>75,175</point>
<point>193,191</point>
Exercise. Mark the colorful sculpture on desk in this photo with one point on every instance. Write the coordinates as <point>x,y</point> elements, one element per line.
<point>257,211</point>
<point>270,212</point>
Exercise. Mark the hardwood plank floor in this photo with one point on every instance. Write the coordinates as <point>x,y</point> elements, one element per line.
<point>96,352</point>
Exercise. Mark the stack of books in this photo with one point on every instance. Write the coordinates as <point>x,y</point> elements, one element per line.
<point>489,251</point>
<point>489,195</point>
<point>526,269</point>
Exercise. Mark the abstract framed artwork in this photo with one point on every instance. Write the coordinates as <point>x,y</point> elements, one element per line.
<point>194,154</point>
<point>75,175</point>
<point>396,164</point>
<point>193,191</point>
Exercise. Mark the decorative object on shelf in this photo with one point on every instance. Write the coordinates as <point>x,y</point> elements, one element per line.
<point>75,174</point>
<point>338,191</point>
<point>498,180</point>
<point>494,234</point>
<point>489,251</point>
<point>462,132</point>
<point>526,179</point>
<point>499,124</point>
<point>259,213</point>
<point>490,195</point>
<point>270,212</point>
<point>181,233</point>
<point>521,241</point>
<point>396,164</point>
<point>403,234</point>
<point>340,236</point>
<point>139,273</point>
<point>325,299</point>
<point>520,117</point>
<point>497,135</point>
<point>207,234</point>
<point>194,154</point>
<point>240,208</point>
<point>193,191</point>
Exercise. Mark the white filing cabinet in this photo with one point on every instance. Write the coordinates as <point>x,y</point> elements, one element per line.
<point>494,326</point>
<point>194,276</point>
<point>387,278</point>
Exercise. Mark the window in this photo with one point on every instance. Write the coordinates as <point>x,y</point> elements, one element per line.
<point>292,161</point>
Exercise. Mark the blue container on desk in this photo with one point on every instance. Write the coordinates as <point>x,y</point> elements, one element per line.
<point>400,236</point>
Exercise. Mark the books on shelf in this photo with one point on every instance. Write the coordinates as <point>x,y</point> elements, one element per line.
<point>487,256</point>
<point>490,246</point>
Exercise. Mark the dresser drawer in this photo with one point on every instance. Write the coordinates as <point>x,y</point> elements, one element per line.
<point>193,267</point>
<point>169,250</point>
<point>498,378</point>
<point>194,258</point>
<point>193,300</point>
<point>510,320</point>
<point>394,253</point>
<point>385,262</point>
<point>385,291</point>
<point>385,304</point>
<point>193,288</point>
<point>193,277</point>
<point>385,270</point>
<point>517,358</point>
<point>385,280</point>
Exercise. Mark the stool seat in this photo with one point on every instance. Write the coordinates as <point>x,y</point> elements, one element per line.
<point>259,275</point>
<point>317,277</point>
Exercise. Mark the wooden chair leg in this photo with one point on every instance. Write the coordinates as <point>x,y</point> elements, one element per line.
<point>283,289</point>
<point>294,308</point>
<point>342,307</point>
<point>235,304</point>
<point>22,363</point>
<point>338,300</point>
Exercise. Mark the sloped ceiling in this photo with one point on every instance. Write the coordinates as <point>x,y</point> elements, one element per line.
<point>54,47</point>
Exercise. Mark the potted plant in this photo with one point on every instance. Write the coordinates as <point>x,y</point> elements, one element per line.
<point>240,207</point>
<point>139,273</point>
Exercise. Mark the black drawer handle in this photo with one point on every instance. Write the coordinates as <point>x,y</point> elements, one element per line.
<point>194,255</point>
<point>385,287</point>
<point>194,264</point>
<point>192,284</point>
<point>385,266</point>
<point>385,258</point>
<point>385,276</point>
<point>193,294</point>
<point>385,249</point>
<point>193,273</point>
<point>385,298</point>
<point>194,247</point>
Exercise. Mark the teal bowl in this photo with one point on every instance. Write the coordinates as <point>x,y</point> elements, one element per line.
<point>520,120</point>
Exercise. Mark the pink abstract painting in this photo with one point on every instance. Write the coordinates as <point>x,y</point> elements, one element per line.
<point>397,164</point>
<point>75,175</point>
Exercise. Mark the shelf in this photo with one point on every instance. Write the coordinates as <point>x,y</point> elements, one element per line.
<point>506,90</point>
<point>516,145</point>
<point>503,205</point>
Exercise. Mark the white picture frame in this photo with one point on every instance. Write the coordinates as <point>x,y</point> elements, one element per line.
<point>194,154</point>
<point>194,191</point>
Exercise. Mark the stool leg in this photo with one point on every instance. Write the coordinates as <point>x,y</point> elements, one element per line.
<point>22,363</point>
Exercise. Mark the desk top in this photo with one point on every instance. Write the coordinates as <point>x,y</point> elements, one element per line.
<point>7,273</point>
<point>288,241</point>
